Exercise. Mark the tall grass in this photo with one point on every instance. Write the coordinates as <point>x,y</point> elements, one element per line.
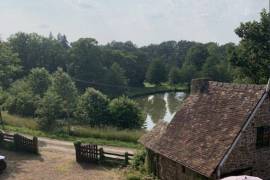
<point>101,136</point>
<point>108,133</point>
<point>18,121</point>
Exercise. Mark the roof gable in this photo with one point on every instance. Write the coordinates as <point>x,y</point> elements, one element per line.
<point>207,124</point>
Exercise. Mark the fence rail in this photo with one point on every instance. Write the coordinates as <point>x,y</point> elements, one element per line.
<point>20,142</point>
<point>90,153</point>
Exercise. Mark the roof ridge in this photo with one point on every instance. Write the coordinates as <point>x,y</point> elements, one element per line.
<point>237,86</point>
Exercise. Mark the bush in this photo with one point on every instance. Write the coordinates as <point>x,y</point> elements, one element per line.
<point>39,80</point>
<point>49,109</point>
<point>21,100</point>
<point>125,114</point>
<point>138,161</point>
<point>92,108</point>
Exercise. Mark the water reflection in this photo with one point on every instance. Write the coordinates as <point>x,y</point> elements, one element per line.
<point>160,107</point>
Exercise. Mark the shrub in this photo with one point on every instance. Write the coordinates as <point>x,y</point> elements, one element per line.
<point>93,108</point>
<point>139,160</point>
<point>125,113</point>
<point>21,100</point>
<point>49,109</point>
<point>39,80</point>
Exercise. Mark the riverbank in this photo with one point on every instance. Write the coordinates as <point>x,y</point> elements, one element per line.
<point>150,89</point>
<point>100,136</point>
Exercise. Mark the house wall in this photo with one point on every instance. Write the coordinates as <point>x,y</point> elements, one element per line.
<point>166,169</point>
<point>246,156</point>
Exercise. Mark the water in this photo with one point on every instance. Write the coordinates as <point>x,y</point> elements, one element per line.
<point>160,107</point>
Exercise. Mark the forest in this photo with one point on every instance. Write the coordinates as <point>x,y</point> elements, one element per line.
<point>50,78</point>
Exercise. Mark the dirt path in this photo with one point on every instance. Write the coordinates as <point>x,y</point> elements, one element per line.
<point>56,161</point>
<point>66,146</point>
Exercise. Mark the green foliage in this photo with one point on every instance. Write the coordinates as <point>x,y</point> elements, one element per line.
<point>156,72</point>
<point>100,136</point>
<point>21,100</point>
<point>197,55</point>
<point>116,75</point>
<point>187,73</point>
<point>49,109</point>
<point>125,114</point>
<point>253,53</point>
<point>9,65</point>
<point>174,76</point>
<point>92,108</point>
<point>85,61</point>
<point>38,51</point>
<point>138,161</point>
<point>39,80</point>
<point>65,89</point>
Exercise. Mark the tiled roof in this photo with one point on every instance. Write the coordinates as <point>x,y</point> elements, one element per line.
<point>206,125</point>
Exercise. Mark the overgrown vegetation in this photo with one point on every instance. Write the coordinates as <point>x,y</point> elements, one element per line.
<point>101,136</point>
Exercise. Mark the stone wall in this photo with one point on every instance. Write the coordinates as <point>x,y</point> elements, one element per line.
<point>246,156</point>
<point>167,169</point>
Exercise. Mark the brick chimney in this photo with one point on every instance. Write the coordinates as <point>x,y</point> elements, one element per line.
<point>199,85</point>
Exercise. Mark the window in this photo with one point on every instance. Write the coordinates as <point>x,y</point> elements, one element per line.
<point>263,137</point>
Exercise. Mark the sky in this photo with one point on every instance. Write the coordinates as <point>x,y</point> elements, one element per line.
<point>140,21</point>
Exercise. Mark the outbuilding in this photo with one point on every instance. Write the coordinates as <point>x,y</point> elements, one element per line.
<point>222,129</point>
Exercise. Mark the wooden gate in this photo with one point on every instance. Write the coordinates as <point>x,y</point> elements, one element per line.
<point>86,153</point>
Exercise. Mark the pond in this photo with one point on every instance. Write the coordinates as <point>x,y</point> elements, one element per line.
<point>160,107</point>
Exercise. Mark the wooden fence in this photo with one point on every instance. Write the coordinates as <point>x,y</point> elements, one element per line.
<point>20,142</point>
<point>90,153</point>
<point>86,153</point>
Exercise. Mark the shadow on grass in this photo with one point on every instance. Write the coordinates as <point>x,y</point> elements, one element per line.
<point>15,162</point>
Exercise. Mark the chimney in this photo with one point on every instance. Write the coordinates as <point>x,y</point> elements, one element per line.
<point>199,85</point>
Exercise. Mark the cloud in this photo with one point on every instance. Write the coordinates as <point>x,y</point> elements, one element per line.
<point>43,26</point>
<point>85,4</point>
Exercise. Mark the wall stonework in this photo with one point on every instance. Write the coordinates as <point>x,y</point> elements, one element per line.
<point>246,156</point>
<point>170,170</point>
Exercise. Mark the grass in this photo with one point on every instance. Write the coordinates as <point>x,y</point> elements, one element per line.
<point>100,136</point>
<point>108,133</point>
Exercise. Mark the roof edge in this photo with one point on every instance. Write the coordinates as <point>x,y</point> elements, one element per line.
<point>247,122</point>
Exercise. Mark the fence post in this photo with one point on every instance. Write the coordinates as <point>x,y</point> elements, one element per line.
<point>16,138</point>
<point>126,158</point>
<point>77,146</point>
<point>101,154</point>
<point>35,144</point>
<point>1,137</point>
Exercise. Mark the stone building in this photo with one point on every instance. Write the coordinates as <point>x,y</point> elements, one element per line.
<point>222,129</point>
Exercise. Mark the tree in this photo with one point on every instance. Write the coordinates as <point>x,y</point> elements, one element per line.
<point>64,87</point>
<point>174,76</point>
<point>9,66</point>
<point>187,73</point>
<point>92,108</point>
<point>39,80</point>
<point>38,51</point>
<point>116,75</point>
<point>253,53</point>
<point>156,72</point>
<point>125,113</point>
<point>197,56</point>
<point>21,100</point>
<point>85,61</point>
<point>49,109</point>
